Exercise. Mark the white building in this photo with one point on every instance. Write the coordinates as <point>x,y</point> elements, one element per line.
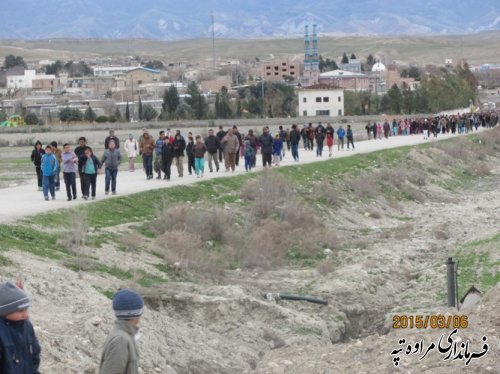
<point>111,71</point>
<point>25,81</point>
<point>321,102</point>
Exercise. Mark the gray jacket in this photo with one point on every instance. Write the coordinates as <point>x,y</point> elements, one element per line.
<point>111,158</point>
<point>120,354</point>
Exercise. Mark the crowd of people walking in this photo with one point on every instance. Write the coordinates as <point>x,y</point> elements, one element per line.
<point>222,149</point>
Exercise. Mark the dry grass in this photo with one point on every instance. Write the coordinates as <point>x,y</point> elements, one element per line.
<point>332,194</point>
<point>213,224</point>
<point>325,267</point>
<point>187,251</point>
<point>4,143</point>
<point>374,213</point>
<point>268,191</point>
<point>441,232</point>
<point>404,231</point>
<point>132,242</point>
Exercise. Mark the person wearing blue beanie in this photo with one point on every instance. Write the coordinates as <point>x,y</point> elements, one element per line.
<point>120,353</point>
<point>19,347</point>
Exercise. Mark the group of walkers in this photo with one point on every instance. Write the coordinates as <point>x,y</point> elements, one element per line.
<point>20,349</point>
<point>460,123</point>
<point>49,162</point>
<point>222,149</point>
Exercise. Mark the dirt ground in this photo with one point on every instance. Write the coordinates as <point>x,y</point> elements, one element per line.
<point>386,267</point>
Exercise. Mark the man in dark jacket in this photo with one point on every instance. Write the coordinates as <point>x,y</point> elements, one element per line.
<point>213,145</point>
<point>179,147</point>
<point>167,155</point>
<point>36,159</point>
<point>19,348</point>
<point>294,142</point>
<point>111,137</point>
<point>80,152</point>
<point>220,135</point>
<point>266,147</point>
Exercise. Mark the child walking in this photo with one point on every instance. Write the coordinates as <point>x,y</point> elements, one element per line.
<point>36,159</point>
<point>249,154</point>
<point>199,150</point>
<point>277,149</point>
<point>69,166</point>
<point>111,159</point>
<point>329,143</point>
<point>90,166</point>
<point>50,168</point>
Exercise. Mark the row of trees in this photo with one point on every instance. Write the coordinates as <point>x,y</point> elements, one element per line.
<point>448,90</point>
<point>74,69</point>
<point>12,61</point>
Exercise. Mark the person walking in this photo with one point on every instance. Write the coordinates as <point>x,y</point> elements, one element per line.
<point>387,129</point>
<point>167,156</point>
<point>50,168</point>
<point>294,142</point>
<point>278,145</point>
<point>111,159</point>
<point>350,137</point>
<point>90,166</point>
<point>110,138</point>
<point>179,147</point>
<point>57,153</point>
<point>230,145</point>
<point>19,347</point>
<point>240,143</point>
<point>146,149</point>
<point>131,149</point>
<point>158,146</point>
<point>199,150</point>
<point>320,140</point>
<point>70,167</point>
<point>368,129</point>
<point>340,137</point>
<point>213,145</point>
<point>266,147</point>
<point>379,131</point>
<point>329,143</point>
<point>283,136</point>
<point>190,155</point>
<point>80,152</point>
<point>248,154</point>
<point>36,159</point>
<point>120,354</point>
<point>254,143</point>
<point>220,135</point>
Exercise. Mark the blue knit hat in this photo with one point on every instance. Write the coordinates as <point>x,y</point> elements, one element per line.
<point>127,304</point>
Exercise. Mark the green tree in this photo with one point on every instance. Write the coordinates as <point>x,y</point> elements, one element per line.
<point>370,61</point>
<point>13,61</point>
<point>102,119</point>
<point>154,64</point>
<point>408,99</point>
<point>184,111</point>
<point>127,112</point>
<point>70,114</point>
<point>197,101</point>
<point>464,73</point>
<point>171,101</point>
<point>238,108</point>
<point>345,59</point>
<point>140,109</point>
<point>223,108</point>
<point>54,68</point>
<point>118,114</point>
<point>353,56</point>
<point>148,112</point>
<point>31,119</point>
<point>79,69</point>
<point>395,99</point>
<point>415,73</point>
<point>385,104</point>
<point>89,115</point>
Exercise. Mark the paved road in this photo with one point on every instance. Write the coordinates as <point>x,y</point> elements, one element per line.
<point>25,200</point>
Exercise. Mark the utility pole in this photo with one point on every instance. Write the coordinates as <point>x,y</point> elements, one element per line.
<point>213,41</point>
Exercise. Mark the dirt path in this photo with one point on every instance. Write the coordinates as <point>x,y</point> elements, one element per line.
<point>22,201</point>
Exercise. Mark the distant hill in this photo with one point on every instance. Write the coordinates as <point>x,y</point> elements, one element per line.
<point>241,19</point>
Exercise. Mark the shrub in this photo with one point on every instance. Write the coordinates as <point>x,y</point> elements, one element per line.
<point>268,191</point>
<point>4,143</point>
<point>102,119</point>
<point>404,231</point>
<point>327,191</point>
